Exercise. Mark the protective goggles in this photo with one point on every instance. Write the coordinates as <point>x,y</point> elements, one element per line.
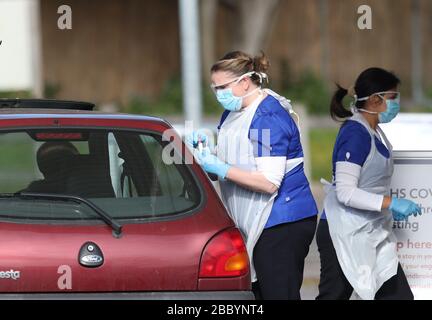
<point>395,95</point>
<point>216,87</point>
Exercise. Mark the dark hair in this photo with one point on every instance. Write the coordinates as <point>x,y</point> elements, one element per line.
<point>51,154</point>
<point>370,81</point>
<point>239,63</point>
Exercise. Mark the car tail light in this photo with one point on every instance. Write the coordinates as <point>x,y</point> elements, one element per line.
<point>225,256</point>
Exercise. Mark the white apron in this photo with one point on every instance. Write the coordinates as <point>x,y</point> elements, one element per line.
<point>249,210</point>
<point>364,241</point>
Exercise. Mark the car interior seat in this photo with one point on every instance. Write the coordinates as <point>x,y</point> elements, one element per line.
<point>89,178</point>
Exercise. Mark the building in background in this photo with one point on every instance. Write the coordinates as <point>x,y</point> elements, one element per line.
<point>119,49</point>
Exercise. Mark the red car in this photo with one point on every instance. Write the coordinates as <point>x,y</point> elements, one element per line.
<point>89,208</point>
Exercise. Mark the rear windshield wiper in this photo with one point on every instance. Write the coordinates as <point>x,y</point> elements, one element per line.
<point>116,227</point>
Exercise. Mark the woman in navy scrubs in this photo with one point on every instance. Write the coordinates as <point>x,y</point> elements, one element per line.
<point>355,237</point>
<point>259,161</point>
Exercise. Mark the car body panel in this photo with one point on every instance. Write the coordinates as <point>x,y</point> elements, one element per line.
<point>150,256</point>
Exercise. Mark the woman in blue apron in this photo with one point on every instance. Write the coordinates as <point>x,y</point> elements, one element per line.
<point>259,162</point>
<point>355,235</point>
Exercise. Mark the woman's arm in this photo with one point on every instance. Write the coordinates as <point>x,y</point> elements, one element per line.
<point>268,177</point>
<point>348,193</point>
<point>386,202</point>
<point>253,180</point>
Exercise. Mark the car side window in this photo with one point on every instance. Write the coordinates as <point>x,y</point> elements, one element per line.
<point>120,177</point>
<point>170,180</point>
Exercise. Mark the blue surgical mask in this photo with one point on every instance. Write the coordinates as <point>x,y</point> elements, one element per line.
<point>393,108</point>
<point>226,96</point>
<point>228,100</point>
<point>231,102</point>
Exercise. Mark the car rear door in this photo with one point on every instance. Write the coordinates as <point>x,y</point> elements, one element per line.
<point>64,246</point>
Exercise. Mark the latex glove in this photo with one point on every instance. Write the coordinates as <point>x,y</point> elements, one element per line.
<point>403,208</point>
<point>195,137</point>
<point>212,164</point>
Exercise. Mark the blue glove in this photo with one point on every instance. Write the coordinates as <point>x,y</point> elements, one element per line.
<point>212,164</point>
<point>195,137</point>
<point>403,208</point>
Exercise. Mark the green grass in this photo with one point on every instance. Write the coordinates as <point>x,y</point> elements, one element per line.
<point>321,150</point>
<point>15,94</point>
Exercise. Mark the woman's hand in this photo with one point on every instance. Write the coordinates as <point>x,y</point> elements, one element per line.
<point>403,208</point>
<point>212,164</point>
<point>196,137</point>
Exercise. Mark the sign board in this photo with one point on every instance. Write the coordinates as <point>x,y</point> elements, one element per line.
<point>412,180</point>
<point>411,137</point>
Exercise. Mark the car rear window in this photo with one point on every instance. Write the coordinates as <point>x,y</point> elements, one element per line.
<point>122,172</point>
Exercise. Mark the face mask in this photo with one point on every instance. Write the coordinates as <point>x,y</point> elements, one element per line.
<point>226,97</point>
<point>393,107</point>
<point>229,101</point>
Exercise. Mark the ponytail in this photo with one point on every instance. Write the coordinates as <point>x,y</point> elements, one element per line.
<point>337,109</point>
<point>261,63</point>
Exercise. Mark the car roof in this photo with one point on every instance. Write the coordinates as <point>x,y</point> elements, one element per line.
<point>19,108</point>
<point>29,113</point>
